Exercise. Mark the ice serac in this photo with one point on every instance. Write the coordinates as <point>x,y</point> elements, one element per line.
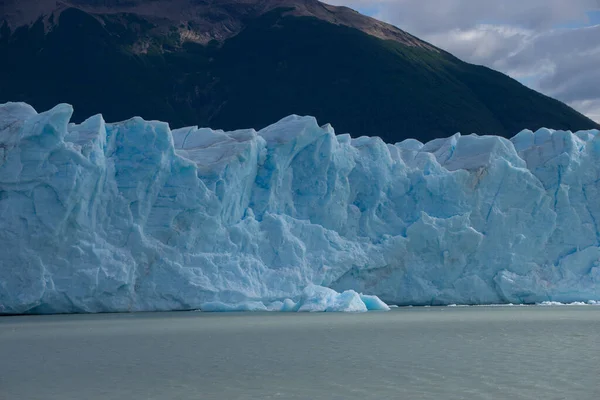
<point>133,216</point>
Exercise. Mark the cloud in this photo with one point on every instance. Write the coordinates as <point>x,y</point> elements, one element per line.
<point>591,108</point>
<point>434,16</point>
<point>549,45</point>
<point>484,44</point>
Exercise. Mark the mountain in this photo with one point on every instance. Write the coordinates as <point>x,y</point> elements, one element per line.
<point>238,64</point>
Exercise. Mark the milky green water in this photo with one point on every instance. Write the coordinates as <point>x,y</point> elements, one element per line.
<point>412,353</point>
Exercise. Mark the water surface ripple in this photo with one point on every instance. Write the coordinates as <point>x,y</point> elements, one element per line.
<point>409,353</point>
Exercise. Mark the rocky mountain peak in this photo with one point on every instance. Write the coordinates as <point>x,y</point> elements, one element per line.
<point>205,20</point>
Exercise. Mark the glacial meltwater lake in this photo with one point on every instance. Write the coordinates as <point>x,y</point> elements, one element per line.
<point>408,353</point>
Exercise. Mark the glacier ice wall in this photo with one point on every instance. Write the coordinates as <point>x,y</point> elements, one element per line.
<point>133,216</point>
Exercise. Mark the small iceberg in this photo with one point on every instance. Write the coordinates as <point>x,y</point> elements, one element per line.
<point>313,299</point>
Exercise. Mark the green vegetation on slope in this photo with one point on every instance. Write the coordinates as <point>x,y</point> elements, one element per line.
<point>275,67</point>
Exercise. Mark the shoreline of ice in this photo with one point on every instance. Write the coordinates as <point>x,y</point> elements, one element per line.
<point>290,306</point>
<point>134,216</point>
<point>541,304</point>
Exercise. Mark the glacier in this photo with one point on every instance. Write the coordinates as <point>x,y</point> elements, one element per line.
<point>134,216</point>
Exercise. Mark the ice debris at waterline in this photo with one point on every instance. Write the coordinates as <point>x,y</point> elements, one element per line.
<point>313,299</point>
<point>575,303</point>
<point>133,216</point>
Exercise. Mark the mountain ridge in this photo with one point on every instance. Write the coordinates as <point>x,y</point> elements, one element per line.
<point>218,64</point>
<point>216,19</point>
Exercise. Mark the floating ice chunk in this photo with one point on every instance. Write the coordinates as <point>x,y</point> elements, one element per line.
<point>551,303</point>
<point>289,306</point>
<point>314,299</point>
<point>558,303</point>
<point>347,301</point>
<point>319,298</point>
<point>374,303</point>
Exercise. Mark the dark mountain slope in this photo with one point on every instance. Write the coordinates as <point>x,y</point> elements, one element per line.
<point>230,65</point>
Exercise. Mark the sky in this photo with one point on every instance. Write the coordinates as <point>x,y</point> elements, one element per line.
<point>552,46</point>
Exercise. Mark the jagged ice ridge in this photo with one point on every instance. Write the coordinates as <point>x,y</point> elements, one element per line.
<point>132,216</point>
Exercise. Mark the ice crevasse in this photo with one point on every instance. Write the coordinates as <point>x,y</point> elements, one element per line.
<point>132,216</point>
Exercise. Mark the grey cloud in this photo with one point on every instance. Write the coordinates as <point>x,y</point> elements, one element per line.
<point>564,62</point>
<point>590,108</point>
<point>576,74</point>
<point>484,44</point>
<point>524,39</point>
<point>434,16</point>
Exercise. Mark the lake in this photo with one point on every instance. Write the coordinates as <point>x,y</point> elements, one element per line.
<point>407,353</point>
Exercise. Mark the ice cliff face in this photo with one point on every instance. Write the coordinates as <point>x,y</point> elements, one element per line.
<point>133,216</point>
